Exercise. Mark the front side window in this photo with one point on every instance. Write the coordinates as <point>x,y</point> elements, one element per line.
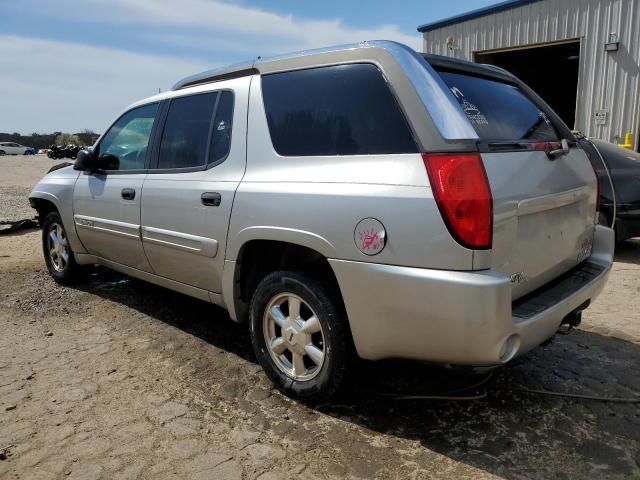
<point>124,146</point>
<point>186,131</point>
<point>337,110</point>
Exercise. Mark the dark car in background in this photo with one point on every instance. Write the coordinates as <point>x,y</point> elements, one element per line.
<point>624,167</point>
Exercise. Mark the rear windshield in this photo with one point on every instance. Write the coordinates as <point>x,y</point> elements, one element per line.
<point>497,110</point>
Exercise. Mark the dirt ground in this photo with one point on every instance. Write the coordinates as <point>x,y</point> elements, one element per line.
<point>120,379</point>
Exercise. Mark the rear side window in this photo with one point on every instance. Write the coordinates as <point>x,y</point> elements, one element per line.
<point>338,110</point>
<point>186,131</point>
<point>499,111</point>
<point>221,134</point>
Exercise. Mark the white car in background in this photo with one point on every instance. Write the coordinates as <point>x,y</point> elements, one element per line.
<point>12,148</point>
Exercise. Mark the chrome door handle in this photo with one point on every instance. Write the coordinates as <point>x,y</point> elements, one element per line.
<point>211,199</point>
<point>128,193</point>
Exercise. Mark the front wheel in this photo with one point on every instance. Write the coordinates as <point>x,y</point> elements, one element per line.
<point>300,336</point>
<point>57,253</point>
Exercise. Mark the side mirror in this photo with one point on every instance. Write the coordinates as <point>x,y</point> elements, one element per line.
<point>86,160</point>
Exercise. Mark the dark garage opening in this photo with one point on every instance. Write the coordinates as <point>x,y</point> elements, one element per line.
<point>550,70</point>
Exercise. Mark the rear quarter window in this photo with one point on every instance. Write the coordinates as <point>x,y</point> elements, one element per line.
<point>337,110</point>
<point>499,111</point>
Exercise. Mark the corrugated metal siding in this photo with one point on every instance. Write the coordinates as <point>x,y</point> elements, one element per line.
<point>608,80</point>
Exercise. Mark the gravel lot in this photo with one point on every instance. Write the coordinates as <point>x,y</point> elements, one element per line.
<point>19,175</point>
<point>121,379</point>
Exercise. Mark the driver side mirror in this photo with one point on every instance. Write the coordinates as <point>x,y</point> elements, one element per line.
<point>86,160</point>
<point>89,160</point>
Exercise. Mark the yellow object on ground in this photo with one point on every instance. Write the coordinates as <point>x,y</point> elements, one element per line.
<point>628,141</point>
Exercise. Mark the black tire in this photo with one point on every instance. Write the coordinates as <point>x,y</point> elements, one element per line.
<point>69,271</point>
<point>336,335</point>
<point>2,152</point>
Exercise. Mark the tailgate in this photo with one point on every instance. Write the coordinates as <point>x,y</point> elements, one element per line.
<point>544,205</point>
<point>544,214</point>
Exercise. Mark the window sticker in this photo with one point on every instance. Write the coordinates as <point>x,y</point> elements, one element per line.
<point>473,113</point>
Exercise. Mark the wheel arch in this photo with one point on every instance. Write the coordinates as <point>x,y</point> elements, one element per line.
<point>257,257</point>
<point>43,203</point>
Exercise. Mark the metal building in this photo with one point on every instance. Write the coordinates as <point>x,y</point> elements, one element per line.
<point>582,56</point>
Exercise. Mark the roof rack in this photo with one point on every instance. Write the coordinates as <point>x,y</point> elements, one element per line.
<point>250,67</point>
<point>217,74</point>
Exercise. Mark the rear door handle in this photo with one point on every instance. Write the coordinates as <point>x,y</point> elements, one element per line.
<point>128,193</point>
<point>211,199</point>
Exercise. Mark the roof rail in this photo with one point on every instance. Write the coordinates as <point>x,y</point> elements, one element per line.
<point>250,67</point>
<point>217,74</point>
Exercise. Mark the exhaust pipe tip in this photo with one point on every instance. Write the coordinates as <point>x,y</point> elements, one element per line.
<point>573,319</point>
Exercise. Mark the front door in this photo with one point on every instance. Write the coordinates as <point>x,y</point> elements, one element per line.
<point>189,190</point>
<point>107,203</point>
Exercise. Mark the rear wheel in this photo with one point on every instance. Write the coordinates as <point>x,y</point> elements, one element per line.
<point>57,253</point>
<point>2,152</point>
<point>300,336</point>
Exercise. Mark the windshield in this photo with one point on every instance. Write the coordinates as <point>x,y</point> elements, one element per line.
<point>499,111</point>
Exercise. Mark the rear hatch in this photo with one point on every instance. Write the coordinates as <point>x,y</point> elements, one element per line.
<point>544,205</point>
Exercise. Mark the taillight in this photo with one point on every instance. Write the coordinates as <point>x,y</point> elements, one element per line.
<point>461,189</point>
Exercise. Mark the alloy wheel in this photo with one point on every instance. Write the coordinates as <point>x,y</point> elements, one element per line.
<point>58,247</point>
<point>294,337</point>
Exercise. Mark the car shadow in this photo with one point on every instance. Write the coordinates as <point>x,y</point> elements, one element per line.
<point>513,432</point>
<point>195,317</point>
<point>506,431</point>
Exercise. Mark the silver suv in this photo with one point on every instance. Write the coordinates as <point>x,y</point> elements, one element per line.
<point>358,200</point>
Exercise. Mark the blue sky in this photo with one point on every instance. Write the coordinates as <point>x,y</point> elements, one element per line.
<point>76,63</point>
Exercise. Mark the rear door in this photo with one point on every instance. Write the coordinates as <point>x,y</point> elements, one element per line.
<point>544,205</point>
<point>189,191</point>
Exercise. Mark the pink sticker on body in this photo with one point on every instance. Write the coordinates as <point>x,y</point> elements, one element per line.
<point>370,236</point>
<point>371,240</point>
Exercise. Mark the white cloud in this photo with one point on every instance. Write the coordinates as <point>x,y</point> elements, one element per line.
<point>265,30</point>
<point>68,86</point>
<point>57,85</point>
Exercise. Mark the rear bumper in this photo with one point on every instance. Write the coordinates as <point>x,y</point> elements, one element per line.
<point>462,318</point>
